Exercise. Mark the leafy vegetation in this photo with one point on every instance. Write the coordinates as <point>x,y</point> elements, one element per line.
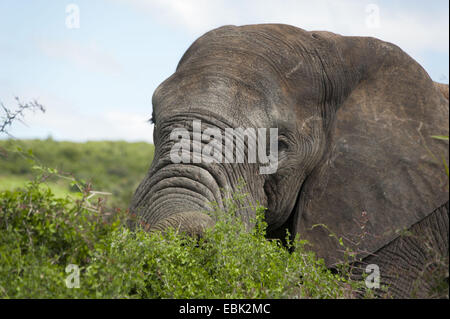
<point>41,234</point>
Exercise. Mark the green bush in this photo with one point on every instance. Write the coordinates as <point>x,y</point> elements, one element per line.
<point>40,235</point>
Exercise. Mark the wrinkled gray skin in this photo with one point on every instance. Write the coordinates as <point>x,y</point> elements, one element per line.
<point>354,118</point>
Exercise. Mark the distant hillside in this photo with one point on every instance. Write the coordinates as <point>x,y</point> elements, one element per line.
<point>115,167</point>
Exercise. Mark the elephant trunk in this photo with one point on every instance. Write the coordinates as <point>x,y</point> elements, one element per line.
<point>177,196</point>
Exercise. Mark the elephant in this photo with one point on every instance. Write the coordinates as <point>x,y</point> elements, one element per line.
<point>354,119</point>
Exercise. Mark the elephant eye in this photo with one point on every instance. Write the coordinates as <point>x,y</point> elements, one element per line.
<point>282,143</point>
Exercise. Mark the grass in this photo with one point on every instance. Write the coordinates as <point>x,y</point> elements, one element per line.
<point>114,167</point>
<point>60,188</point>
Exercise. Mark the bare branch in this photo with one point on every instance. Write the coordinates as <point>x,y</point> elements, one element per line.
<point>9,116</point>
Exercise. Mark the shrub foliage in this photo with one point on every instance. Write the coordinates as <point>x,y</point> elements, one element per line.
<point>41,234</point>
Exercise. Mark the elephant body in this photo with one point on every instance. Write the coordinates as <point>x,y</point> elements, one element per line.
<point>354,117</point>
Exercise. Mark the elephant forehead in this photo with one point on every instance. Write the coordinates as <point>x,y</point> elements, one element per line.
<point>285,54</point>
<point>272,73</point>
<point>216,100</point>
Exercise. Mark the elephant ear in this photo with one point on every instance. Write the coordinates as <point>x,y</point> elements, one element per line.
<point>382,171</point>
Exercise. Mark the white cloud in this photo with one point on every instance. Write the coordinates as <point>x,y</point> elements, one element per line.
<point>133,126</point>
<point>90,56</point>
<point>410,28</point>
<point>64,121</point>
<point>413,31</point>
<point>196,16</point>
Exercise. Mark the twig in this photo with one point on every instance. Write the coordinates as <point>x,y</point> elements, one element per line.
<point>10,116</point>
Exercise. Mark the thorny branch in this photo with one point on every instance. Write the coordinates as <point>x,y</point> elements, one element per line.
<point>10,116</point>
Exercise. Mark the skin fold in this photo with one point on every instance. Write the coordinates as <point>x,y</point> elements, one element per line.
<point>354,118</point>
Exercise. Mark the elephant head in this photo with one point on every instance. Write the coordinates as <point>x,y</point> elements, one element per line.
<point>354,116</point>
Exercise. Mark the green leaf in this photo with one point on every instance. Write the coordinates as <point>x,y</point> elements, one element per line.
<point>440,137</point>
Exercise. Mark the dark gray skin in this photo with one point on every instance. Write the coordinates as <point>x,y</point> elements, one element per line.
<point>354,118</point>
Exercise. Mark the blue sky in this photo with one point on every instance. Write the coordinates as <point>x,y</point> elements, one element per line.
<point>97,80</point>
